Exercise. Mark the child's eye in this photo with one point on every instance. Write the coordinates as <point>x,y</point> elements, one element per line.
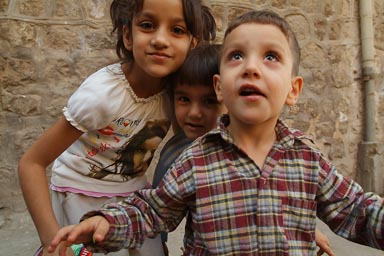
<point>179,30</point>
<point>146,25</point>
<point>211,101</point>
<point>183,99</point>
<point>271,56</point>
<point>236,56</point>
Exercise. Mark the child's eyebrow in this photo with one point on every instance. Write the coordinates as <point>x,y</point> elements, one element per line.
<point>269,46</point>
<point>275,45</point>
<point>233,44</point>
<point>179,91</point>
<point>152,15</point>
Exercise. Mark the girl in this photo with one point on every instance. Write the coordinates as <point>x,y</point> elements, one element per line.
<point>108,109</point>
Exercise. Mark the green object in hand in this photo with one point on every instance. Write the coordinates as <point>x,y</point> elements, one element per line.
<point>76,248</point>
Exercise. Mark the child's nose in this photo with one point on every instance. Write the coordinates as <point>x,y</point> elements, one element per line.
<point>160,38</point>
<point>251,68</point>
<point>195,111</point>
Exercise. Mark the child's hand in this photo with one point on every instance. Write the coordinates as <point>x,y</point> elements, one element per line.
<point>93,230</point>
<point>67,252</point>
<point>43,251</point>
<point>323,243</point>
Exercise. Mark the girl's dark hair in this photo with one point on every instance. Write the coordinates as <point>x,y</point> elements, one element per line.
<point>198,17</point>
<point>152,129</point>
<point>270,18</point>
<point>124,164</point>
<point>199,67</point>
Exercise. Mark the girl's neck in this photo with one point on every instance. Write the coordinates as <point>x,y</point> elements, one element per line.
<point>142,84</point>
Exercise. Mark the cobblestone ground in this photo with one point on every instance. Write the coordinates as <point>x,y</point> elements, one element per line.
<point>19,238</point>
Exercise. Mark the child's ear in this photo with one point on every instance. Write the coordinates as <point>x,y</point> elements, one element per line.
<point>294,93</point>
<point>217,87</point>
<point>193,42</point>
<point>127,39</point>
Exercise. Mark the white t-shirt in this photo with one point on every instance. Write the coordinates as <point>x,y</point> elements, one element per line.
<point>117,125</point>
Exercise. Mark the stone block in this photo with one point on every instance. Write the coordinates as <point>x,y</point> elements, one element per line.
<point>22,105</point>
<point>32,8</point>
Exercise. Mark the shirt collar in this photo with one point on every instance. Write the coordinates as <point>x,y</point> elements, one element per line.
<point>286,137</point>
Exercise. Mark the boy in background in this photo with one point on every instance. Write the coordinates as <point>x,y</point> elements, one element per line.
<point>195,106</point>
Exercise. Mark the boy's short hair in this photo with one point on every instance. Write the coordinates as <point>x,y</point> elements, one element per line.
<point>199,67</point>
<point>270,18</point>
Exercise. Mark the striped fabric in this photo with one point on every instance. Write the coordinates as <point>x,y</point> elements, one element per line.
<point>236,208</point>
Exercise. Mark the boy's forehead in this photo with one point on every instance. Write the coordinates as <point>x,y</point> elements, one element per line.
<point>255,26</point>
<point>254,33</point>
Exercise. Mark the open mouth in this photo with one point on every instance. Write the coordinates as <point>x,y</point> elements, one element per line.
<point>249,91</point>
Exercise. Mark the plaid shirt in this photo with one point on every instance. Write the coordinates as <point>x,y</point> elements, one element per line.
<point>235,208</point>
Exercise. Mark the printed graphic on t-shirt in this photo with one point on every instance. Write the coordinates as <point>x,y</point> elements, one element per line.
<point>110,136</point>
<point>134,156</point>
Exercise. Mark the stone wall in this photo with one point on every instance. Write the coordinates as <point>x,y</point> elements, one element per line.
<point>48,47</point>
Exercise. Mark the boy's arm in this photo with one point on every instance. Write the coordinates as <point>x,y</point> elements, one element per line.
<point>113,227</point>
<point>144,214</point>
<point>348,210</point>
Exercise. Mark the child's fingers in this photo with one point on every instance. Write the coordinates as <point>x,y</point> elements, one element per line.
<point>327,249</point>
<point>101,230</point>
<point>62,249</point>
<point>90,230</point>
<point>60,236</point>
<point>65,250</point>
